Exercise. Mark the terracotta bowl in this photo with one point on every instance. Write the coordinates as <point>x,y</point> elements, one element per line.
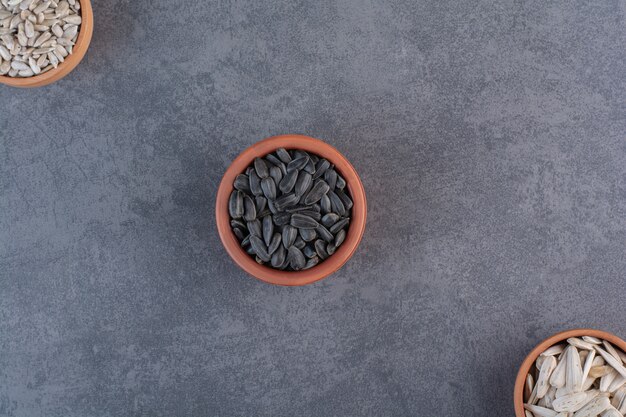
<point>518,393</point>
<point>355,230</point>
<point>65,67</point>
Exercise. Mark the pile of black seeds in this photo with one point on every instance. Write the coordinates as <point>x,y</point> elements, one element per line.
<point>290,209</point>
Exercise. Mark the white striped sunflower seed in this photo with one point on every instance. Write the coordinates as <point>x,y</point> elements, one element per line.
<point>594,407</point>
<point>557,379</point>
<point>4,53</point>
<point>29,29</point>
<point>54,61</point>
<point>547,367</point>
<point>56,29</point>
<point>5,67</point>
<point>539,411</point>
<point>26,73</point>
<point>20,66</point>
<point>42,38</point>
<point>33,65</point>
<point>42,7</point>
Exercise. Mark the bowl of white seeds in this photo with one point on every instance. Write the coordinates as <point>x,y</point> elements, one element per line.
<point>41,41</point>
<point>577,373</point>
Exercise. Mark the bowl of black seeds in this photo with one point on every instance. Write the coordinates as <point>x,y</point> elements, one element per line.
<point>291,210</point>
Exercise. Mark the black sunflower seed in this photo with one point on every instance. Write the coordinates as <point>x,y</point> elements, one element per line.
<point>258,260</point>
<point>324,233</point>
<point>286,201</point>
<point>261,203</point>
<point>336,204</point>
<point>329,219</point>
<point>325,204</point>
<point>341,183</point>
<point>276,174</point>
<point>302,183</point>
<point>288,182</point>
<point>238,224</point>
<point>239,233</point>
<point>317,192</point>
<point>339,225</point>
<point>283,155</point>
<point>309,251</point>
<point>246,241</point>
<point>305,193</point>
<point>250,209</point>
<point>249,170</point>
<point>268,229</point>
<point>296,258</point>
<point>260,248</point>
<point>340,237</point>
<point>330,249</point>
<point>264,213</point>
<point>281,219</point>
<point>330,176</point>
<point>274,243</point>
<point>271,206</point>
<point>255,228</point>
<point>320,168</point>
<point>269,188</point>
<point>320,249</point>
<point>297,164</point>
<point>312,214</point>
<point>299,243</point>
<point>250,251</point>
<point>299,209</point>
<point>242,182</point>
<point>308,234</point>
<point>297,153</point>
<point>314,158</point>
<point>255,183</point>
<point>278,257</point>
<point>302,221</point>
<point>260,166</point>
<point>309,167</point>
<point>272,160</point>
<point>289,235</point>
<point>347,202</point>
<point>311,262</point>
<point>235,204</point>
<point>296,209</point>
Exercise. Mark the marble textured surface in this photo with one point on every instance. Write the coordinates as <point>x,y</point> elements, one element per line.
<point>491,139</point>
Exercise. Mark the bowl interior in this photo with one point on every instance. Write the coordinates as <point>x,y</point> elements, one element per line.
<point>71,61</point>
<point>520,381</point>
<point>355,230</point>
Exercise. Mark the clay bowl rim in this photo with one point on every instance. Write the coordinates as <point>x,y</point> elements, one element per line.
<point>78,53</point>
<point>520,380</point>
<point>355,230</point>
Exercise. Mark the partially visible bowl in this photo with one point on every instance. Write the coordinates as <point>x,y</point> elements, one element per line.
<point>520,381</point>
<point>323,269</point>
<point>70,62</point>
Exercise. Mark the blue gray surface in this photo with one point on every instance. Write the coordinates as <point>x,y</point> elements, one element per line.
<point>491,140</point>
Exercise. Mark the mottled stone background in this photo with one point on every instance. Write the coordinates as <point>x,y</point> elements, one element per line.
<point>490,137</point>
